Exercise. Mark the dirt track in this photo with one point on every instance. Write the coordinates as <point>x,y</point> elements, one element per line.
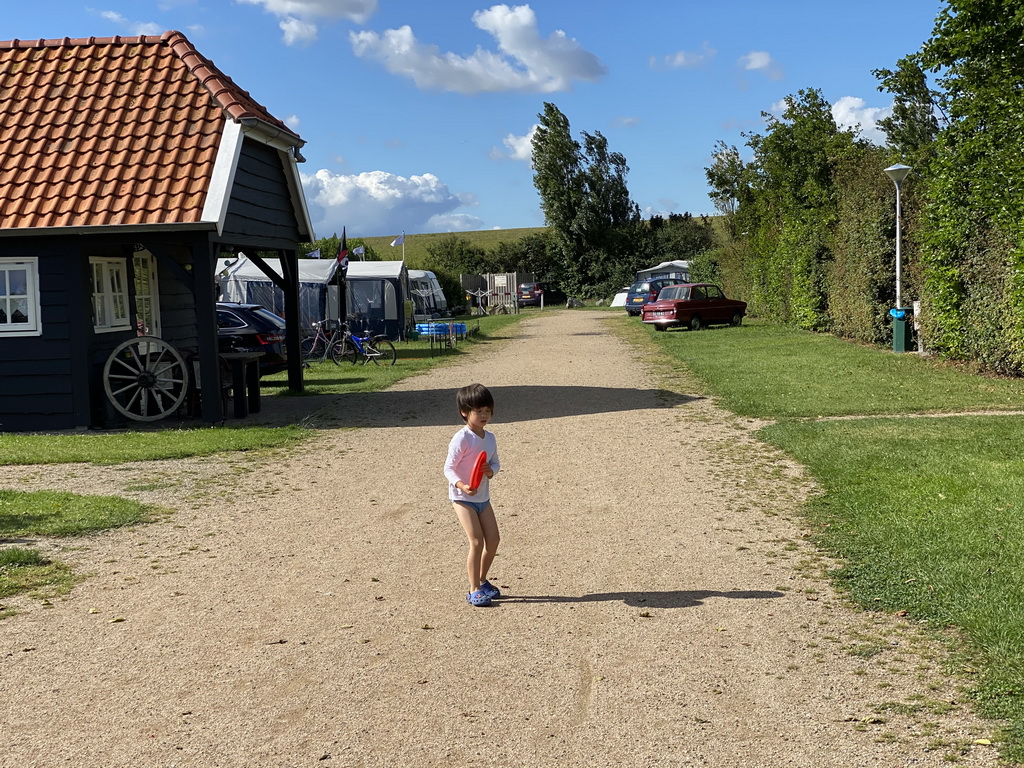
<point>664,608</point>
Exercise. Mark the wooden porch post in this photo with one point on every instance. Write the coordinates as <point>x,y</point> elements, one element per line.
<point>203,261</point>
<point>292,317</point>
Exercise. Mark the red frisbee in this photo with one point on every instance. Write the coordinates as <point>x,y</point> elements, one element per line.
<point>478,470</point>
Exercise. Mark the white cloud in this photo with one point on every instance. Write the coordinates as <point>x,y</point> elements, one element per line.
<point>852,112</point>
<point>293,122</point>
<point>524,62</point>
<point>377,202</point>
<point>298,19</point>
<point>685,59</point>
<point>133,27</point>
<point>761,61</point>
<point>518,147</point>
<point>297,32</point>
<point>625,121</point>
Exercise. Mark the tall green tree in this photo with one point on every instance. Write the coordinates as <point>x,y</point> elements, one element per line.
<point>793,209</point>
<point>913,126</point>
<point>727,177</point>
<point>586,204</point>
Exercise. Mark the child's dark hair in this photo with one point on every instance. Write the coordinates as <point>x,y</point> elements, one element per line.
<point>473,397</point>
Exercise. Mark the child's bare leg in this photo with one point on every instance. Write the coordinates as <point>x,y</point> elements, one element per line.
<point>489,529</point>
<point>474,534</point>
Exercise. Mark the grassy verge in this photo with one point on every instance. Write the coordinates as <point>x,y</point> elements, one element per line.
<point>767,371</point>
<point>51,513</point>
<point>118,448</point>
<point>924,513</point>
<point>27,570</point>
<point>55,513</point>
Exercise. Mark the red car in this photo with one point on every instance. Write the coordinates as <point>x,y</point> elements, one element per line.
<point>694,305</point>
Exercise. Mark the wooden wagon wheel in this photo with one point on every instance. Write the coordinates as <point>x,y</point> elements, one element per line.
<point>145,378</point>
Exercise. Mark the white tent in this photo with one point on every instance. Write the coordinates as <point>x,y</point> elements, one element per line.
<point>241,280</point>
<point>680,269</point>
<point>427,295</point>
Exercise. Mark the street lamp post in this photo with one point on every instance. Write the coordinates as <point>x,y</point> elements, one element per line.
<point>900,332</point>
<point>898,173</point>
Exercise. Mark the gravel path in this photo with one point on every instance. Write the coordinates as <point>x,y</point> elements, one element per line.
<point>664,608</point>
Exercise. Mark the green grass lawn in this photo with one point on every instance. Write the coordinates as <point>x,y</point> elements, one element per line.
<point>121,447</point>
<point>769,371</point>
<point>924,513</point>
<point>418,257</point>
<point>927,517</point>
<point>51,513</point>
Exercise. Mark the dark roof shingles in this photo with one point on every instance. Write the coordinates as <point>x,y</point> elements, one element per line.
<point>137,119</point>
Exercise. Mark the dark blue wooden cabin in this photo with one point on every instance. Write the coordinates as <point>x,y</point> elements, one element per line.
<point>112,218</point>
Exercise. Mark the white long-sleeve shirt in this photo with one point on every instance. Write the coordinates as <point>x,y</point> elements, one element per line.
<point>462,453</point>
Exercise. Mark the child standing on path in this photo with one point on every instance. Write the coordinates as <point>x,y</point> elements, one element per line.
<point>473,506</point>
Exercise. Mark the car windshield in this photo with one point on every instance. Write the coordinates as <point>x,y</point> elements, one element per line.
<point>640,287</point>
<point>528,287</point>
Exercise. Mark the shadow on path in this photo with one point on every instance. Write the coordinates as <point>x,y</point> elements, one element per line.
<point>436,407</point>
<point>676,599</point>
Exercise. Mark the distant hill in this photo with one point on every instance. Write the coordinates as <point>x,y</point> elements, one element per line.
<point>416,245</point>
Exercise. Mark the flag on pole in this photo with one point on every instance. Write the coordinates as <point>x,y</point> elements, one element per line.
<point>314,254</point>
<point>359,251</point>
<point>400,240</point>
<point>343,251</point>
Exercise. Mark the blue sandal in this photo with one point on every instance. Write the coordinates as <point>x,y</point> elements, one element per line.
<point>490,590</point>
<point>478,599</point>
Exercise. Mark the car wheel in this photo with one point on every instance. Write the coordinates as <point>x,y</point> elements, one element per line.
<point>695,323</point>
<point>737,320</point>
<point>660,328</point>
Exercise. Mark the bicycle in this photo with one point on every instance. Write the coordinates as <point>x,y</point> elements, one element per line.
<point>321,344</point>
<point>351,348</point>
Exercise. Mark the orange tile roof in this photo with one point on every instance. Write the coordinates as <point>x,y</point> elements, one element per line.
<point>112,131</point>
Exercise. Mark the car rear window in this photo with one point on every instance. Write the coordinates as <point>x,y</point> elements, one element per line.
<point>270,317</point>
<point>639,287</point>
<point>678,292</point>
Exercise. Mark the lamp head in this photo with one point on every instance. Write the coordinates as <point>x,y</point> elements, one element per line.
<point>898,173</point>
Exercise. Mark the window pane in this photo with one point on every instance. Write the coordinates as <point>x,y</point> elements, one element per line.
<point>19,311</point>
<point>142,275</point>
<point>120,311</point>
<point>3,313</point>
<point>3,282</point>
<point>19,282</point>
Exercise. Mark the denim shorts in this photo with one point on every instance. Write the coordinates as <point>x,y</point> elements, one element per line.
<point>476,506</point>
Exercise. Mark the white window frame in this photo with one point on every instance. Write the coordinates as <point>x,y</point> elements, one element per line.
<point>144,262</point>
<point>110,307</point>
<point>34,326</point>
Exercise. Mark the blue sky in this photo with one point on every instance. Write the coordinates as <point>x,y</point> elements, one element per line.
<point>417,114</point>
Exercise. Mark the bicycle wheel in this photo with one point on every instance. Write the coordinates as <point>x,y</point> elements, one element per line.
<point>381,351</point>
<point>344,351</point>
<point>309,348</point>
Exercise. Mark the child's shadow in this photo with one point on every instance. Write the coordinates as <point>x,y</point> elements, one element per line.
<point>674,599</point>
